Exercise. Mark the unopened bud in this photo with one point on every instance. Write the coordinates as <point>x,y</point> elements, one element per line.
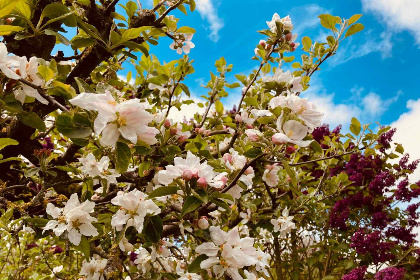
<point>202,182</point>
<point>182,139</point>
<point>262,43</point>
<point>203,223</point>
<point>238,118</point>
<point>187,175</point>
<point>167,123</point>
<point>249,170</point>
<point>288,36</point>
<point>290,150</point>
<point>249,126</point>
<point>173,131</point>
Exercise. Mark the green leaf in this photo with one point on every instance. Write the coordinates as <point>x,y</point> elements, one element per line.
<point>354,18</point>
<point>46,72</point>
<point>296,65</point>
<point>202,195</point>
<point>185,30</point>
<point>83,86</point>
<point>291,174</point>
<point>194,267</point>
<point>219,107</point>
<point>4,142</point>
<point>123,155</point>
<point>221,203</point>
<point>133,33</point>
<point>357,27</point>
<point>162,191</point>
<point>328,21</point>
<point>190,204</point>
<point>84,247</point>
<point>355,126</point>
<point>223,196</point>
<point>398,149</point>
<point>77,126</point>
<point>82,42</point>
<point>37,222</point>
<point>32,119</point>
<point>251,101</point>
<point>185,89</point>
<point>9,29</point>
<point>253,152</point>
<point>307,43</point>
<point>58,11</point>
<point>315,145</point>
<point>7,7</point>
<point>153,228</point>
<point>288,58</point>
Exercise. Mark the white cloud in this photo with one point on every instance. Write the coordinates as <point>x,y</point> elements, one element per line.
<point>306,17</point>
<point>372,43</point>
<point>187,111</point>
<point>408,133</point>
<point>397,14</point>
<point>368,108</point>
<point>208,11</point>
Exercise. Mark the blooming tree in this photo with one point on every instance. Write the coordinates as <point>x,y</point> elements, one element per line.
<point>97,182</point>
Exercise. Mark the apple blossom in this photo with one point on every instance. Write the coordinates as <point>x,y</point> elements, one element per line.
<point>94,268</point>
<point>284,223</point>
<point>74,218</point>
<point>182,43</point>
<point>134,208</point>
<point>271,176</point>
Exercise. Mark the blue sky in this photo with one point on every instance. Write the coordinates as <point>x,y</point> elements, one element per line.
<point>374,75</point>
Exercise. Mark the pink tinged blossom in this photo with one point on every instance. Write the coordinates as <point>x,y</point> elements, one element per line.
<point>182,43</point>
<point>8,62</point>
<point>253,134</point>
<point>291,131</point>
<point>270,176</point>
<point>29,72</point>
<point>128,119</point>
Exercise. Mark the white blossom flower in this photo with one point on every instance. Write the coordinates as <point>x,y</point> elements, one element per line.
<point>286,22</point>
<point>94,269</point>
<point>260,113</point>
<point>182,43</point>
<point>134,208</point>
<point>29,72</point>
<point>246,216</point>
<point>271,176</point>
<point>233,160</point>
<point>125,246</point>
<point>74,218</point>
<point>128,118</point>
<point>7,62</point>
<point>291,131</point>
<point>94,168</point>
<point>304,109</point>
<point>143,260</point>
<point>203,223</point>
<point>284,223</point>
<point>190,168</point>
<point>252,276</point>
<point>227,252</point>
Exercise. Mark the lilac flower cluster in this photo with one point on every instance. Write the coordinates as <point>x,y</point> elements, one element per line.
<point>385,139</point>
<point>390,273</point>
<point>356,274</point>
<point>372,245</point>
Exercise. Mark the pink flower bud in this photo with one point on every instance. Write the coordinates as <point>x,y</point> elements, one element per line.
<point>288,36</point>
<point>249,170</point>
<point>182,139</point>
<point>252,134</point>
<point>173,131</point>
<point>227,158</point>
<point>203,223</point>
<point>278,139</point>
<point>238,118</point>
<point>262,43</point>
<point>290,150</point>
<point>249,126</point>
<point>202,182</point>
<point>167,123</point>
<point>201,130</point>
<point>224,180</point>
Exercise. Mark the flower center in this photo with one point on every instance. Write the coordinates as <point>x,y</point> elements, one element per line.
<point>112,102</point>
<point>121,121</point>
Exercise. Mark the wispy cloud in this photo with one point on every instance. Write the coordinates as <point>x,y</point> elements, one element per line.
<point>397,15</point>
<point>208,11</point>
<point>366,107</point>
<point>306,17</point>
<point>371,44</point>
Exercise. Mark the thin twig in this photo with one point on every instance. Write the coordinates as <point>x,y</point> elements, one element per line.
<point>168,11</point>
<point>44,95</point>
